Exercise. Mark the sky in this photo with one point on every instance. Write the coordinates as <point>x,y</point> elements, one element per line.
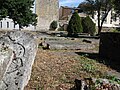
<point>70,3</point>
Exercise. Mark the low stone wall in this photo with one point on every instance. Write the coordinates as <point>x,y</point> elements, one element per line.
<point>17,54</point>
<point>110,46</point>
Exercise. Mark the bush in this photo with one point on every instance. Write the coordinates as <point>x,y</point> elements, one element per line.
<point>53,25</point>
<point>74,26</point>
<point>88,26</point>
<point>61,29</point>
<point>118,29</point>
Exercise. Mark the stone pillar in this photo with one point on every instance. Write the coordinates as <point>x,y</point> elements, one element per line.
<point>47,11</point>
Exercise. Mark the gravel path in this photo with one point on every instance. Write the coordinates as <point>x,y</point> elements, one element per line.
<point>50,68</point>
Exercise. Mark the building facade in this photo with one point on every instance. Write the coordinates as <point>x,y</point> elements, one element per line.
<point>47,11</point>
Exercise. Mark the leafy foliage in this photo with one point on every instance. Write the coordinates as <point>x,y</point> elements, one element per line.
<point>88,26</point>
<point>117,6</point>
<point>53,25</point>
<point>3,10</point>
<point>19,11</point>
<point>92,6</point>
<point>74,26</point>
<point>87,8</point>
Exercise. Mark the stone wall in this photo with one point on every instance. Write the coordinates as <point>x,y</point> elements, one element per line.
<point>47,11</point>
<point>17,53</point>
<point>110,46</point>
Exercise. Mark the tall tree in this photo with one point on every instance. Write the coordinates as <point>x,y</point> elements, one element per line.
<point>3,10</point>
<point>117,6</point>
<point>75,25</point>
<point>88,26</point>
<point>91,6</point>
<point>20,11</point>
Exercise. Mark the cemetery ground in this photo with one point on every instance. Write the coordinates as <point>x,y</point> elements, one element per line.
<point>67,59</point>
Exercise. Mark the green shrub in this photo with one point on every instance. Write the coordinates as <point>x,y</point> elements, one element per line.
<point>88,26</point>
<point>74,26</point>
<point>53,25</point>
<point>60,29</point>
<point>118,29</point>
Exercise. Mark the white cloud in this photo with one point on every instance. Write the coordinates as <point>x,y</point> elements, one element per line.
<point>69,2</point>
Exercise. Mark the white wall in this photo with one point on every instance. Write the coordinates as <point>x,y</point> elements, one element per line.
<point>7,23</point>
<point>109,22</point>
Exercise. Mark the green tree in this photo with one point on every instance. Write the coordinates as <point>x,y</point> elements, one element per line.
<point>88,26</point>
<point>92,6</point>
<point>74,26</point>
<point>19,11</point>
<point>117,6</point>
<point>3,10</point>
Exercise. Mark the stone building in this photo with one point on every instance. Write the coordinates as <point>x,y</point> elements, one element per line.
<point>47,11</point>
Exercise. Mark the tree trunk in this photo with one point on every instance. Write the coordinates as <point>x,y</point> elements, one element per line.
<point>99,26</point>
<point>106,14</point>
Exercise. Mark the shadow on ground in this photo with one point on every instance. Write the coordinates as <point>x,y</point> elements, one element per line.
<point>109,62</point>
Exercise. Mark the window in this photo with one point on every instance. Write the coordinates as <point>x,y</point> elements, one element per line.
<point>111,21</point>
<point>7,24</point>
<point>114,17</point>
<point>102,15</point>
<point>14,25</point>
<point>0,24</point>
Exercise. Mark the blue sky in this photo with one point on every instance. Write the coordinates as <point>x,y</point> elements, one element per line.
<point>71,3</point>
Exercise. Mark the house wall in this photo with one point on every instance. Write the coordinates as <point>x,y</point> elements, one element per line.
<point>64,13</point>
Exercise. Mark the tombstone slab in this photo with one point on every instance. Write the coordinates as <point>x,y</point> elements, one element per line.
<point>5,60</point>
<point>16,59</point>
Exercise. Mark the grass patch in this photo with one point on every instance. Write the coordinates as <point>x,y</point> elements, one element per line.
<point>92,67</point>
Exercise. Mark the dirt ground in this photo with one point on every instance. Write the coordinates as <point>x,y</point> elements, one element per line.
<point>57,70</point>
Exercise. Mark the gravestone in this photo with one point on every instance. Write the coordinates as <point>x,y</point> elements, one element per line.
<point>17,56</point>
<point>110,46</point>
<point>6,56</point>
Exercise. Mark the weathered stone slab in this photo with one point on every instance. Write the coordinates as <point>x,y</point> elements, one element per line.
<point>24,47</point>
<point>5,60</point>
